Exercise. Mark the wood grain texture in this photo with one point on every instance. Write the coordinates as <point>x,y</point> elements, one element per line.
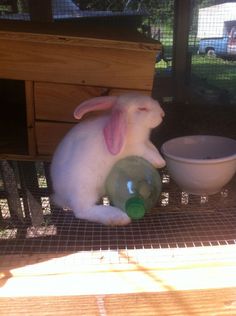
<point>48,135</point>
<point>56,102</point>
<point>82,67</point>
<point>221,302</point>
<point>99,272</point>
<point>151,46</point>
<point>30,113</point>
<point>55,61</point>
<point>199,282</point>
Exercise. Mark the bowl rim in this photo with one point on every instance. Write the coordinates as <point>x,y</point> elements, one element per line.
<point>196,160</point>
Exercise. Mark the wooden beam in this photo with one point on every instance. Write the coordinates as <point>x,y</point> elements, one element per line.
<point>77,60</point>
<point>29,94</point>
<point>123,272</point>
<point>180,49</point>
<point>40,10</point>
<point>184,303</point>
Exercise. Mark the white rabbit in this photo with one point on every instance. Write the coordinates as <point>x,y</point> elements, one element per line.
<point>87,153</point>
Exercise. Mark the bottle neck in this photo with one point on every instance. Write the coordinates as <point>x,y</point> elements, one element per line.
<point>135,207</point>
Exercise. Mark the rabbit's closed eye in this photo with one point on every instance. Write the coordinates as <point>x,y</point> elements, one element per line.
<point>143,109</point>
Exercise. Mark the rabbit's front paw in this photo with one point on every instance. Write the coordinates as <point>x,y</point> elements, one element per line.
<point>117,218</point>
<point>107,215</point>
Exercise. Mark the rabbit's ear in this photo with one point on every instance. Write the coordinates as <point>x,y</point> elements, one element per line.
<point>95,104</point>
<point>115,131</point>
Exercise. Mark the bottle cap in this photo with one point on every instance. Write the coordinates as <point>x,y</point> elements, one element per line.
<point>135,208</point>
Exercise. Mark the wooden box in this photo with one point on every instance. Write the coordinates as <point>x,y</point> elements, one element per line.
<point>62,71</point>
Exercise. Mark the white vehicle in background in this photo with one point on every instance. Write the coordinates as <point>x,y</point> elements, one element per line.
<point>217,30</point>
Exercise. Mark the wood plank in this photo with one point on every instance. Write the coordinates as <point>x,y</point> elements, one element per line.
<point>185,303</point>
<point>136,271</point>
<point>22,157</point>
<point>151,46</point>
<point>56,102</point>
<point>117,281</point>
<point>79,64</point>
<point>30,113</point>
<point>181,55</point>
<point>48,135</point>
<point>187,281</point>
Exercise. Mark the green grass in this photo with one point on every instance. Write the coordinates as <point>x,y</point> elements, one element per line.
<point>5,8</point>
<point>216,72</point>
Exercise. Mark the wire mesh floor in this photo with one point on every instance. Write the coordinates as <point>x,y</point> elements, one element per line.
<point>178,221</point>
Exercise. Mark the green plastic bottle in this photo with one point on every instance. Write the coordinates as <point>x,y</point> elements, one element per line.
<point>134,186</point>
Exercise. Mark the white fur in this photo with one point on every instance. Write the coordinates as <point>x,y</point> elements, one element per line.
<point>82,160</point>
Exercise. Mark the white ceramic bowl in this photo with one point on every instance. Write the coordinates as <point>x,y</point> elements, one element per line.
<point>200,164</point>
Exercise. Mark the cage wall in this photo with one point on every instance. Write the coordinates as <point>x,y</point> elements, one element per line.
<point>30,223</point>
<point>212,46</point>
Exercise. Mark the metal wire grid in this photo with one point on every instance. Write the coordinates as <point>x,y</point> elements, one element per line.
<point>69,9</point>
<point>212,65</point>
<point>179,221</point>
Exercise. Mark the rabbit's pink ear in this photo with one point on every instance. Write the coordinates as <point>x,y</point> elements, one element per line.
<point>95,104</point>
<point>115,131</point>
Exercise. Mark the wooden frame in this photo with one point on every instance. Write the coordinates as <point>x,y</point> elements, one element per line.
<point>187,284</point>
<point>181,62</point>
<point>69,70</point>
<point>49,57</point>
<point>194,282</point>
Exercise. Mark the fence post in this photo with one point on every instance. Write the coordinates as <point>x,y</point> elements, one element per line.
<point>40,10</point>
<point>180,49</point>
